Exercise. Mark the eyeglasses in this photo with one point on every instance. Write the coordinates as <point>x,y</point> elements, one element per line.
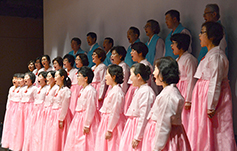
<point>207,13</point>
<point>202,32</point>
<point>146,26</point>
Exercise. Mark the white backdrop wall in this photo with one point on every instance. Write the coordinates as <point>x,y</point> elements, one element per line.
<point>64,20</point>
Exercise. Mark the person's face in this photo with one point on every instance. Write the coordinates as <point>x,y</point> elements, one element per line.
<point>44,61</point>
<point>108,79</point>
<point>37,64</point>
<point>50,79</point>
<point>81,80</point>
<point>169,21</point>
<point>90,40</point>
<point>27,80</point>
<point>204,41</point>
<point>56,65</point>
<point>208,15</point>
<point>75,46</point>
<point>174,47</point>
<point>148,29</point>
<point>31,67</point>
<point>95,58</point>
<point>78,62</point>
<point>115,57</point>
<point>135,56</point>
<point>133,78</point>
<point>58,78</point>
<point>41,80</point>
<point>21,82</point>
<point>157,76</point>
<point>66,63</point>
<point>107,46</point>
<point>15,81</point>
<point>131,36</point>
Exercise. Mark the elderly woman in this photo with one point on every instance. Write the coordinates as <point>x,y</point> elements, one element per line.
<point>211,125</point>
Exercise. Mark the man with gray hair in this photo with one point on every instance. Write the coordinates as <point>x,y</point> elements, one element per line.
<point>212,13</point>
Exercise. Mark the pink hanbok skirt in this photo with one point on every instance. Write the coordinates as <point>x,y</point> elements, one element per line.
<point>128,97</point>
<point>182,86</point>
<point>56,137</point>
<point>177,141</point>
<point>215,134</point>
<point>9,124</point>
<point>23,113</point>
<point>113,144</point>
<point>76,140</point>
<point>75,89</point>
<point>128,135</point>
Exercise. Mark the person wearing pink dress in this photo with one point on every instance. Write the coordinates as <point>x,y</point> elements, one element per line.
<point>138,110</point>
<point>12,95</point>
<point>210,123</point>
<point>24,111</point>
<point>164,130</point>
<point>112,116</point>
<point>187,67</point>
<point>45,121</point>
<point>68,62</point>
<point>45,61</point>
<point>82,131</point>
<point>60,115</point>
<point>138,54</point>
<point>99,70</point>
<point>32,137</point>
<point>38,66</point>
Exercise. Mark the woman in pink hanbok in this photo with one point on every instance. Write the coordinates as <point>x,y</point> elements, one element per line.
<point>164,130</point>
<point>138,110</point>
<point>11,99</point>
<point>82,131</point>
<point>24,111</point>
<point>112,116</point>
<point>187,67</point>
<point>99,70</point>
<point>32,132</point>
<point>68,62</point>
<point>211,124</point>
<point>60,115</point>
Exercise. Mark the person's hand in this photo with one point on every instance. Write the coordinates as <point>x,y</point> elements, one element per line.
<point>86,130</point>
<point>210,113</point>
<point>108,135</point>
<point>187,105</point>
<point>135,143</point>
<point>60,124</point>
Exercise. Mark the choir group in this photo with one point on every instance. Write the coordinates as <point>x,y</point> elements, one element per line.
<point>150,97</point>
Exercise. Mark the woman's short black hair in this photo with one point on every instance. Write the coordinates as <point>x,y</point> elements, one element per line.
<point>117,71</point>
<point>43,73</point>
<point>120,50</point>
<point>86,72</point>
<point>59,61</point>
<point>21,75</point>
<point>52,72</point>
<point>101,54</point>
<point>47,57</point>
<point>214,32</point>
<point>143,70</point>
<point>66,81</point>
<point>84,59</point>
<point>182,40</point>
<point>32,76</point>
<point>70,59</point>
<point>154,26</point>
<point>140,47</point>
<point>39,58</point>
<point>168,69</point>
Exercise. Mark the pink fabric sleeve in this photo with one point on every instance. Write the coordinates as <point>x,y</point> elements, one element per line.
<point>66,94</point>
<point>143,111</point>
<point>190,67</point>
<point>9,96</point>
<point>116,110</point>
<point>90,108</point>
<point>103,85</point>
<point>216,64</point>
